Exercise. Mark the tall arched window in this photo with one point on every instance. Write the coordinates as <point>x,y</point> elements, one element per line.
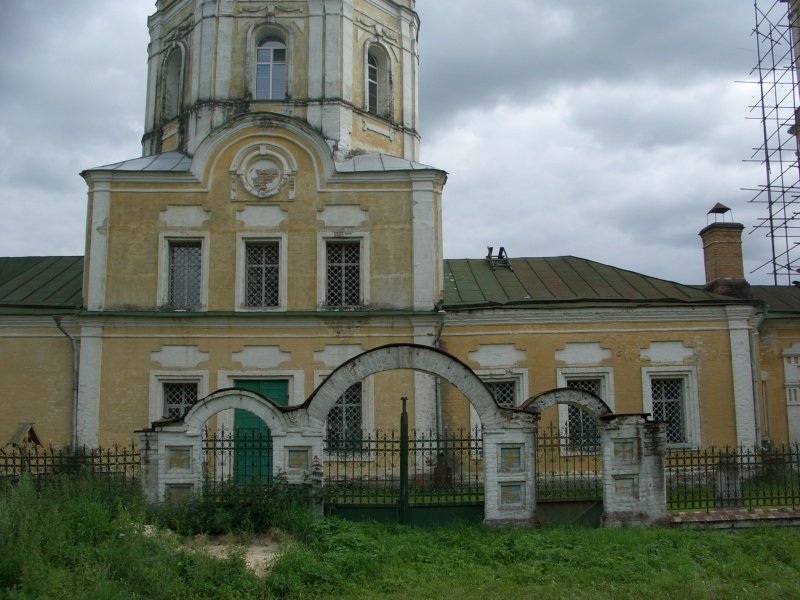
<point>173,84</point>
<point>378,96</point>
<point>372,84</point>
<point>271,69</point>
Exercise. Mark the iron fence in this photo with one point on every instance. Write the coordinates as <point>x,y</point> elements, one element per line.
<point>236,461</point>
<point>727,478</point>
<point>121,463</point>
<point>568,467</point>
<point>367,469</point>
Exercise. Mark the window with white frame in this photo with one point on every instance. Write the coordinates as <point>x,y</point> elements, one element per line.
<point>343,273</point>
<point>377,81</point>
<point>669,401</point>
<point>508,387</point>
<point>345,425</point>
<point>271,69</point>
<point>172,82</point>
<point>372,83</point>
<point>578,425</point>
<point>185,263</point>
<point>670,395</point>
<point>582,431</point>
<point>178,397</point>
<point>262,274</point>
<point>504,392</point>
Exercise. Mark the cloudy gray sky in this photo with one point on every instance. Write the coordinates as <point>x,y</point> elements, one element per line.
<point>604,129</point>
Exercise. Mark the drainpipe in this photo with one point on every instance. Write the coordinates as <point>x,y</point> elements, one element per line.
<point>73,442</point>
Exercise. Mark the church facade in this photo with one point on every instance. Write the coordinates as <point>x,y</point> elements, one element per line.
<point>279,224</point>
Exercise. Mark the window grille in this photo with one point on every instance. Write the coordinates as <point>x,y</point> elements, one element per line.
<point>345,420</point>
<point>504,392</point>
<point>185,265</point>
<point>179,398</point>
<point>271,69</point>
<point>668,406</point>
<point>262,270</point>
<point>343,274</point>
<point>372,84</point>
<point>582,429</point>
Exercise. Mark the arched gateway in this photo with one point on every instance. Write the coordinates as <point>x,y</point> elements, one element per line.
<point>632,447</point>
<point>172,453</point>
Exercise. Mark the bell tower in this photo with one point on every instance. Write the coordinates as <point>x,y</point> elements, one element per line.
<point>346,67</point>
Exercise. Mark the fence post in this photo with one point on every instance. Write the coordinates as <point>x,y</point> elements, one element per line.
<point>728,485</point>
<point>403,502</point>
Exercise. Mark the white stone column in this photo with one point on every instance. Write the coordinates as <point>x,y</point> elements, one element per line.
<point>509,458</point>
<point>91,350</point>
<point>741,368</point>
<point>100,204</point>
<point>425,248</point>
<point>634,478</point>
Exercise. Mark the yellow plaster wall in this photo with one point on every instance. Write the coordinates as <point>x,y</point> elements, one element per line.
<point>712,361</point>
<point>36,371</point>
<point>135,224</point>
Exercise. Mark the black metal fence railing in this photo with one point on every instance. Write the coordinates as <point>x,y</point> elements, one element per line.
<point>366,469</point>
<point>236,461</point>
<point>726,478</point>
<point>567,466</point>
<point>122,463</point>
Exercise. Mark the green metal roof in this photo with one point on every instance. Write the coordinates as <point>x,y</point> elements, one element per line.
<point>40,282</point>
<point>779,299</point>
<point>473,283</point>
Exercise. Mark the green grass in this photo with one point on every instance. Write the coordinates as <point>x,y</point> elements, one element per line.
<point>85,539</point>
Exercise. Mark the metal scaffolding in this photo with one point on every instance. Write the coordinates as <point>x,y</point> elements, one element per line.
<point>775,32</point>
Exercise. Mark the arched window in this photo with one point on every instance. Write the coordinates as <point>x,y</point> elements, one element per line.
<point>271,69</point>
<point>372,84</point>
<point>173,85</point>
<point>378,82</point>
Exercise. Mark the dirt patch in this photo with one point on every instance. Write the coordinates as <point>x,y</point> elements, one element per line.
<point>259,551</point>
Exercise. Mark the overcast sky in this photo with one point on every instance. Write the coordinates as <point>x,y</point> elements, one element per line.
<point>604,129</point>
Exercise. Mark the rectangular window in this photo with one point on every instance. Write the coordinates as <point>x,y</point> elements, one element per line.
<point>343,273</point>
<point>345,421</point>
<point>668,405</point>
<point>582,431</point>
<point>179,397</point>
<point>503,392</point>
<point>262,274</point>
<point>185,274</point>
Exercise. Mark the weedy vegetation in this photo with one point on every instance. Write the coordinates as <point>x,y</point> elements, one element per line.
<point>87,538</point>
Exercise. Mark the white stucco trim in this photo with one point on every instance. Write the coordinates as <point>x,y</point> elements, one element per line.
<point>742,372</point>
<point>691,398</point>
<point>323,237</point>
<point>100,192</point>
<point>89,380</point>
<point>295,377</point>
<point>241,279</point>
<point>164,239</point>
<point>157,380</point>
<point>424,246</point>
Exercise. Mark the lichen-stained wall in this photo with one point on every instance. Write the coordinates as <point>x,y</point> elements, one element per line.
<point>326,47</point>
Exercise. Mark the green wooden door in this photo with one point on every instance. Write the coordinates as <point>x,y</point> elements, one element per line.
<point>252,440</point>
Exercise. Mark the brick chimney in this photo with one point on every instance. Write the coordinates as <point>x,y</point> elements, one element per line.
<point>722,253</point>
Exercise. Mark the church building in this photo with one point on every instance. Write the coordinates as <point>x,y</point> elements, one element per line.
<point>278,224</point>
